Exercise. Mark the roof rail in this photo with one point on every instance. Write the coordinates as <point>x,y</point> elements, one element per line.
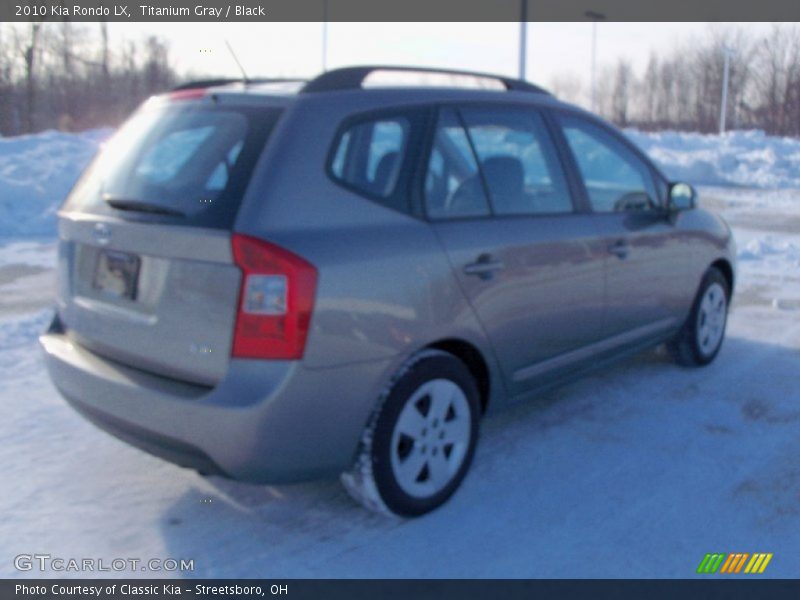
<point>205,83</point>
<point>351,78</point>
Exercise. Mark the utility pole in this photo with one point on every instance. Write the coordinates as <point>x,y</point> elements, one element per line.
<point>523,37</point>
<point>595,17</point>
<point>723,109</point>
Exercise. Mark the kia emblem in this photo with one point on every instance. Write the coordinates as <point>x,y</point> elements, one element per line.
<point>101,233</point>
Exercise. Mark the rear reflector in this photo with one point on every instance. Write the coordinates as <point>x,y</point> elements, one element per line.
<point>190,94</point>
<point>276,300</point>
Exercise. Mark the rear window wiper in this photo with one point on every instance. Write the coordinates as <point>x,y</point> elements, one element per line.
<point>141,206</point>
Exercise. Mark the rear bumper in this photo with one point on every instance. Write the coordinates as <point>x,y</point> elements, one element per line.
<point>266,422</point>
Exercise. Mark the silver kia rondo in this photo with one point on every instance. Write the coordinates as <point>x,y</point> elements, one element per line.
<point>276,280</point>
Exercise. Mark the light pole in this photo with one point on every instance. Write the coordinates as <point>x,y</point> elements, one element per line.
<point>523,37</point>
<point>595,17</point>
<point>723,109</point>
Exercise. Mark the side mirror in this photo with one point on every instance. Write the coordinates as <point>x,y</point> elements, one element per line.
<point>681,196</point>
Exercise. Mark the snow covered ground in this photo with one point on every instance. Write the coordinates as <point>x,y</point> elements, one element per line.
<point>635,472</point>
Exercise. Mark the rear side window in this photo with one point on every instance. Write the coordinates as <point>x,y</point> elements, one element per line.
<point>368,155</point>
<point>185,162</point>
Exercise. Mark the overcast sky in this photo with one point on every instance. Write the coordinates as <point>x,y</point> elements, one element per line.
<point>295,49</point>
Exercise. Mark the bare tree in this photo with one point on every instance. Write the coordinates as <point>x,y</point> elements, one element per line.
<point>29,48</point>
<point>620,101</point>
<point>104,56</point>
<point>649,89</point>
<point>776,80</point>
<point>68,75</point>
<point>604,88</point>
<point>567,86</point>
<point>6,83</point>
<point>157,74</point>
<point>71,75</point>
<point>683,90</point>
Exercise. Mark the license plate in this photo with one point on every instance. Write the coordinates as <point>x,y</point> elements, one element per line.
<point>116,274</point>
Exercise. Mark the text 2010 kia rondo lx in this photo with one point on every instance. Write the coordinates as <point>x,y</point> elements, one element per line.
<point>277,281</point>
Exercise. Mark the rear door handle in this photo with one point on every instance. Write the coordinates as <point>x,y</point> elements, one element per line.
<point>619,248</point>
<point>484,267</point>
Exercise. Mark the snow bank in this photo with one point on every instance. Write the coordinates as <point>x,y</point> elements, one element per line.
<point>21,331</point>
<point>759,248</point>
<point>741,158</point>
<point>36,173</point>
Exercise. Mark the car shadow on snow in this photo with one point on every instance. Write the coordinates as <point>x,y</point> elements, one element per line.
<point>627,438</point>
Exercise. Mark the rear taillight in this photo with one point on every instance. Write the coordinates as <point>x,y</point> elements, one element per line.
<point>275,301</point>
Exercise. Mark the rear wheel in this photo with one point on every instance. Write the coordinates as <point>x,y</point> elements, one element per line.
<point>419,444</point>
<point>700,339</point>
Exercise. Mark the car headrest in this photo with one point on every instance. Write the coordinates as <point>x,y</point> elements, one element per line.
<point>383,172</point>
<point>504,175</point>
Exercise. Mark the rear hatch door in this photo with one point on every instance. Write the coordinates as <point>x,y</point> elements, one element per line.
<point>146,273</point>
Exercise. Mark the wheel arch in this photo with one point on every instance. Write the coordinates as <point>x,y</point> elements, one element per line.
<point>472,357</point>
<point>725,267</point>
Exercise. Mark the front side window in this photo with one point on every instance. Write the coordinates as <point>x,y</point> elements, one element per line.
<point>616,180</point>
<point>518,160</point>
<point>368,155</point>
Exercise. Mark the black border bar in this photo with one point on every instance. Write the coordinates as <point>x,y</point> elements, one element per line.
<point>406,589</point>
<point>396,10</point>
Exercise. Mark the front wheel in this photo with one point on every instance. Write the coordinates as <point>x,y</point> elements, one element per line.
<point>699,340</point>
<point>419,444</point>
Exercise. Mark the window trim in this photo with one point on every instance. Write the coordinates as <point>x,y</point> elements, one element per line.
<point>419,198</point>
<point>487,194</point>
<point>398,200</point>
<point>425,166</point>
<point>655,175</point>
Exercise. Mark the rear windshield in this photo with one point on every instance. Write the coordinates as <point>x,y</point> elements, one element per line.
<point>184,163</point>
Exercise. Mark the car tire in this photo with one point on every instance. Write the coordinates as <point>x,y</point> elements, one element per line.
<point>700,339</point>
<point>420,441</point>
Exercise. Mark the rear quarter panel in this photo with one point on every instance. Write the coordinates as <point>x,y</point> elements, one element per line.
<point>385,288</point>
